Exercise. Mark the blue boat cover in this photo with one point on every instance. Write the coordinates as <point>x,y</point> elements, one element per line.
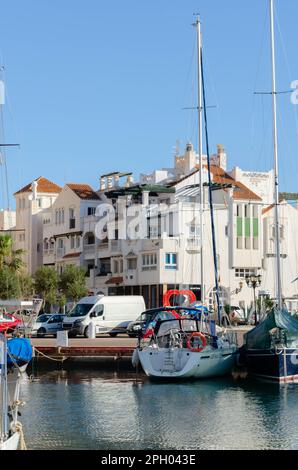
<point>20,351</point>
<point>260,337</point>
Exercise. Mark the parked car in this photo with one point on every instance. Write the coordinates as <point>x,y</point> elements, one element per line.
<point>8,322</point>
<point>47,324</point>
<point>109,314</point>
<point>142,323</point>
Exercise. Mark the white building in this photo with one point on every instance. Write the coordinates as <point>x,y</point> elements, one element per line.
<point>31,201</point>
<point>65,240</point>
<point>167,255</point>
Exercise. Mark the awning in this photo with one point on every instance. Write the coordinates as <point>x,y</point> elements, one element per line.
<point>115,280</point>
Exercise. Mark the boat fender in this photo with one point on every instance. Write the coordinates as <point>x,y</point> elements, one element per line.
<point>203,342</point>
<point>135,360</point>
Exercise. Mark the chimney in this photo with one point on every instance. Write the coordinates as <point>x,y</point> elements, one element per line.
<point>110,182</point>
<point>116,181</point>
<point>34,190</point>
<point>190,158</point>
<point>129,181</point>
<point>221,157</point>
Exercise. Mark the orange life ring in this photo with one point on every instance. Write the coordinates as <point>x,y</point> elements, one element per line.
<point>166,297</point>
<point>203,339</point>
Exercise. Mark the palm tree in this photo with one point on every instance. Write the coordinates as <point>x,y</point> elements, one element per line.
<point>5,248</point>
<point>15,261</point>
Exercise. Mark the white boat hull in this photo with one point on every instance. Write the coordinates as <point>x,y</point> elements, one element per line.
<point>183,363</point>
<point>12,443</point>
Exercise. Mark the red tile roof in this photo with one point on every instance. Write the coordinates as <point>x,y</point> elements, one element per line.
<point>220,176</point>
<point>43,186</point>
<point>84,191</point>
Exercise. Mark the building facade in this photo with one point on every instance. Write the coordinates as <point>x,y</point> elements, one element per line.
<point>145,238</point>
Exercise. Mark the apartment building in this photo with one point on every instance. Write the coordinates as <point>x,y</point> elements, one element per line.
<point>152,241</point>
<point>31,201</point>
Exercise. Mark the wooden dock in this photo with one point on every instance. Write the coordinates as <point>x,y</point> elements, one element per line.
<point>117,348</point>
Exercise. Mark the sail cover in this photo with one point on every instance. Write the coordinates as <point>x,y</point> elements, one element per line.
<point>260,337</point>
<point>19,351</point>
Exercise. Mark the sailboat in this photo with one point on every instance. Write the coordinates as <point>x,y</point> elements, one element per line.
<point>15,355</point>
<point>270,349</point>
<point>191,346</point>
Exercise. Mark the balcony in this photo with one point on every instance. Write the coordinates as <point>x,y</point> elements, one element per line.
<point>89,251</point>
<point>193,245</point>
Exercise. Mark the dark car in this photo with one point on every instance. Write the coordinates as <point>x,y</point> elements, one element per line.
<point>143,321</point>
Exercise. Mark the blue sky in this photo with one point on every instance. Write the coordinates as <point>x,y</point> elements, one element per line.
<point>97,86</point>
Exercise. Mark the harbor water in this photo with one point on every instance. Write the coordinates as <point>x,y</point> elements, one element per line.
<point>87,408</point>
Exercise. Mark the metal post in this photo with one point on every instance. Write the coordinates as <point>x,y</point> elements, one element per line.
<point>200,152</point>
<point>276,181</point>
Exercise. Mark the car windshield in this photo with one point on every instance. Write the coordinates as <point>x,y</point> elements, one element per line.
<point>159,315</point>
<point>80,310</point>
<point>43,318</point>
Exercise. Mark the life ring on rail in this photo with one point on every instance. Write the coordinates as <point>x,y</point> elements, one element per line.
<point>166,297</point>
<point>203,341</point>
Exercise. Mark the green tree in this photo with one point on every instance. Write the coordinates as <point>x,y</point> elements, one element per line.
<point>15,260</point>
<point>5,248</point>
<point>46,283</point>
<point>9,284</point>
<point>26,285</point>
<point>73,282</point>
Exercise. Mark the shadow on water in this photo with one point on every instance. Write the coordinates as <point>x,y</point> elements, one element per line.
<point>96,408</point>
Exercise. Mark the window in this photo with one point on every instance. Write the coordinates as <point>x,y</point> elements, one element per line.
<point>56,217</point>
<point>78,242</point>
<point>149,262</point>
<point>39,202</point>
<point>243,272</point>
<point>132,263</point>
<point>281,232</point>
<point>72,220</point>
<point>171,261</point>
<point>91,210</point>
<point>115,266</point>
<point>194,231</point>
<point>72,242</point>
<point>118,266</point>
<point>90,239</point>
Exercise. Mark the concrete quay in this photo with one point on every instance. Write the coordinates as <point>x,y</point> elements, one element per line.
<point>102,346</point>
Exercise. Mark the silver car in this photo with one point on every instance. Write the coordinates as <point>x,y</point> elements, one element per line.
<point>47,324</point>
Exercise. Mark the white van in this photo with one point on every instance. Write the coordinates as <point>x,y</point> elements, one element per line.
<point>109,314</point>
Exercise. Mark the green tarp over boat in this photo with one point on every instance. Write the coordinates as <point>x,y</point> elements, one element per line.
<point>261,336</point>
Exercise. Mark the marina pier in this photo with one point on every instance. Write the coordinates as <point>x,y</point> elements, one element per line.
<point>104,346</point>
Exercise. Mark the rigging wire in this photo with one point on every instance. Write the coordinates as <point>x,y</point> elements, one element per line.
<point>210,195</point>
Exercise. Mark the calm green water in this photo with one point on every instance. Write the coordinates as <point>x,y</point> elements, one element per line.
<point>91,409</point>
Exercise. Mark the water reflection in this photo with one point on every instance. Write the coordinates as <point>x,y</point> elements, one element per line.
<point>91,409</point>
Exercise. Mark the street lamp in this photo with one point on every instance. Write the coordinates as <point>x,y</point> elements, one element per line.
<point>254,281</point>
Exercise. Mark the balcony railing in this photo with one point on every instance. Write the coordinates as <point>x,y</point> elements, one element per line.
<point>193,244</point>
<point>49,251</point>
<point>103,246</point>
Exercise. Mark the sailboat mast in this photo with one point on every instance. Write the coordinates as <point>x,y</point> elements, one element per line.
<point>275,143</point>
<point>200,152</point>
